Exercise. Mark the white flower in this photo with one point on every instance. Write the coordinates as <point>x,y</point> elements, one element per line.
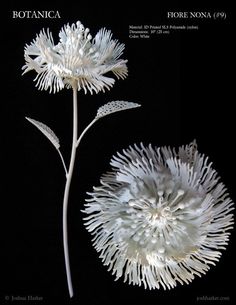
<point>76,58</point>
<point>160,217</point>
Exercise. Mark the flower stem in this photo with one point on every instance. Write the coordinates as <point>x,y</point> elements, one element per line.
<point>62,160</point>
<point>85,130</point>
<point>67,189</point>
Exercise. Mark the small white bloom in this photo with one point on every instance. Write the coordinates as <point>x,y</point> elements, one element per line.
<point>77,57</point>
<point>160,217</point>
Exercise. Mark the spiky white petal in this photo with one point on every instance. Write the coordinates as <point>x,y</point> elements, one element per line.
<point>77,57</point>
<point>160,217</point>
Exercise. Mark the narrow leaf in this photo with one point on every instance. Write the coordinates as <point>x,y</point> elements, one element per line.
<point>115,106</point>
<point>46,131</point>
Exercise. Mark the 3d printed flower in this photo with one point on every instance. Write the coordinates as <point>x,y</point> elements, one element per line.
<point>77,62</point>
<point>76,58</point>
<point>160,217</point>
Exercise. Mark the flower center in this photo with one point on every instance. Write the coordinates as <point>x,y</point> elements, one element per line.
<point>158,224</point>
<point>159,217</point>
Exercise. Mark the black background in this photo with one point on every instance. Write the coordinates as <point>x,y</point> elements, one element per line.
<point>182,80</point>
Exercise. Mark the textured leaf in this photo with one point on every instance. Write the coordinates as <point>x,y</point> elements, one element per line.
<point>46,131</point>
<point>115,106</point>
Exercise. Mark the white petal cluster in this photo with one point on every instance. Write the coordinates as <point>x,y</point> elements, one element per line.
<point>76,58</point>
<point>159,217</point>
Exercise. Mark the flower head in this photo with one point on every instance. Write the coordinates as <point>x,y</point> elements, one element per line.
<point>160,217</point>
<point>77,58</point>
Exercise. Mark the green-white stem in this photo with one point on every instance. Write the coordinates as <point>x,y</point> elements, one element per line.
<point>67,189</point>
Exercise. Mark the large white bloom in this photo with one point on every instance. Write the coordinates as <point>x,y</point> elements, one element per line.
<point>77,57</point>
<point>160,217</point>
